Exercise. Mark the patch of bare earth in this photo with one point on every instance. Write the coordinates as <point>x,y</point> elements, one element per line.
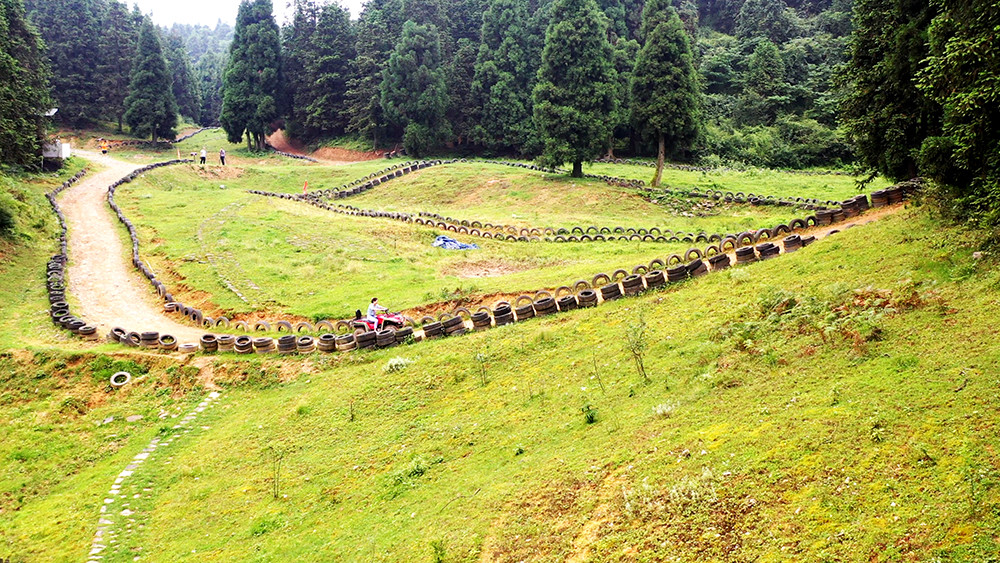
<point>485,269</point>
<point>332,155</point>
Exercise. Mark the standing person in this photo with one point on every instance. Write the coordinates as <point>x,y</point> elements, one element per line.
<point>373,310</point>
<point>204,155</point>
<point>105,146</point>
<point>222,156</point>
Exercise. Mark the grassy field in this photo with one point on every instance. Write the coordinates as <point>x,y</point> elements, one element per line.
<point>810,408</point>
<point>289,257</point>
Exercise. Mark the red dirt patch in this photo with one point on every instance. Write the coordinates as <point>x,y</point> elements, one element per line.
<point>486,269</point>
<point>283,143</point>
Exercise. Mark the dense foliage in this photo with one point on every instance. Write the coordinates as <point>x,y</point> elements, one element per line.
<point>150,108</point>
<point>23,93</point>
<point>252,79</point>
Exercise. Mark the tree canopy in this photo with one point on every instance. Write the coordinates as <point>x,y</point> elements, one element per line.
<point>150,108</point>
<point>252,79</point>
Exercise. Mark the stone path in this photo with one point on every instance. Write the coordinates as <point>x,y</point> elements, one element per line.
<point>116,515</point>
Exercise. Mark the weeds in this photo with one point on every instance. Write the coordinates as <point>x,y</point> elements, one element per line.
<point>589,414</point>
<point>664,410</point>
<point>275,456</point>
<point>481,359</point>
<point>637,343</point>
<point>397,364</point>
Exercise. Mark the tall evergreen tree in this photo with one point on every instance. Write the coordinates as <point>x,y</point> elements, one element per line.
<point>24,95</point>
<point>70,30</point>
<point>626,51</point>
<point>150,108</point>
<point>319,47</point>
<point>185,87</point>
<point>118,40</point>
<point>209,75</point>
<point>414,91</point>
<point>252,79</point>
<point>374,43</point>
<point>574,97</point>
<point>504,77</point>
<point>665,94</point>
<point>886,115</point>
<point>461,103</point>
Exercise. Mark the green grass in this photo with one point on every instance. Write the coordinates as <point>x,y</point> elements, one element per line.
<point>836,187</point>
<point>288,257</point>
<point>807,408</point>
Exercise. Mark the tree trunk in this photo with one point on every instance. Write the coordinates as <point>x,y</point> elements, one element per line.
<point>249,141</point>
<point>611,147</point>
<point>578,169</point>
<point>660,157</point>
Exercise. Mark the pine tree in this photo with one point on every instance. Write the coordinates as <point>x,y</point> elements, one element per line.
<point>295,43</point>
<point>150,108</point>
<point>574,97</point>
<point>461,104</point>
<point>252,79</point>
<point>209,75</point>
<point>503,79</point>
<point>626,51</point>
<point>414,92</point>
<point>70,31</point>
<point>117,51</point>
<point>665,94</point>
<point>887,117</point>
<point>374,43</point>
<point>185,87</point>
<point>24,96</point>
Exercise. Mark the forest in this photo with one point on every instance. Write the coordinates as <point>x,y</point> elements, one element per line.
<point>896,88</point>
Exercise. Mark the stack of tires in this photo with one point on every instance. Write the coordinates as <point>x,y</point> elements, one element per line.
<point>746,255</point>
<point>226,342</point>
<point>385,338</point>
<point>344,343</point>
<point>792,243</point>
<point>286,344</point>
<point>880,198</point>
<point>404,333</point>
<point>263,345</point>
<point>149,339</point>
<point>677,273</point>
<point>719,262</point>
<point>327,342</point>
<point>806,241</point>
<point>611,291</point>
<point>366,339</point>
<point>209,344</point>
<point>454,326</point>
<point>633,285</point>
<point>502,314</point>
<point>587,298</point>
<point>433,329</point>
<point>481,320</point>
<point>655,279</point>
<point>697,268</point>
<point>545,306</point>
<point>524,312</point>
<point>88,332</point>
<point>243,345</point>
<point>824,218</point>
<point>305,344</point>
<point>567,303</point>
<point>768,250</point>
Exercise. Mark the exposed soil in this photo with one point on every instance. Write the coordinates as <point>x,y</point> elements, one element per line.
<point>486,269</point>
<point>331,155</point>
<point>107,291</point>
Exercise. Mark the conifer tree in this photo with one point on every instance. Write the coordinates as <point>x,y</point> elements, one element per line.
<point>503,79</point>
<point>364,108</point>
<point>414,91</point>
<point>209,75</point>
<point>665,94</point>
<point>185,87</point>
<point>150,108</point>
<point>252,79</point>
<point>24,96</point>
<point>70,30</point>
<point>574,97</point>
<point>117,41</point>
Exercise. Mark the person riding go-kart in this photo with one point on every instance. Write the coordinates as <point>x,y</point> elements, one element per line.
<point>376,320</point>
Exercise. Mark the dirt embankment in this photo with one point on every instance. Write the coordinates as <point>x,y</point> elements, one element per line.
<point>283,143</point>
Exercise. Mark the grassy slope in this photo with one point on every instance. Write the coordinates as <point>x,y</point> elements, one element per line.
<point>805,419</point>
<point>321,264</point>
<point>23,308</point>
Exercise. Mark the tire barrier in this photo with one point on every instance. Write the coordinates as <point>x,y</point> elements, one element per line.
<point>271,148</point>
<point>691,168</point>
<point>619,283</point>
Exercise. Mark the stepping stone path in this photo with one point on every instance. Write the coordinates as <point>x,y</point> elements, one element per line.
<point>115,508</point>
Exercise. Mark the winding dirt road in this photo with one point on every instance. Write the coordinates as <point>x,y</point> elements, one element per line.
<point>108,290</point>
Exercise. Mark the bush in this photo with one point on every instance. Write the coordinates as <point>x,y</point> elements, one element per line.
<point>8,214</point>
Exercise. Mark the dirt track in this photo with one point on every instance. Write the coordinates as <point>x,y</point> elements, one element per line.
<point>107,289</point>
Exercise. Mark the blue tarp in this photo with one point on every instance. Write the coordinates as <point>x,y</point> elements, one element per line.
<point>449,243</point>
